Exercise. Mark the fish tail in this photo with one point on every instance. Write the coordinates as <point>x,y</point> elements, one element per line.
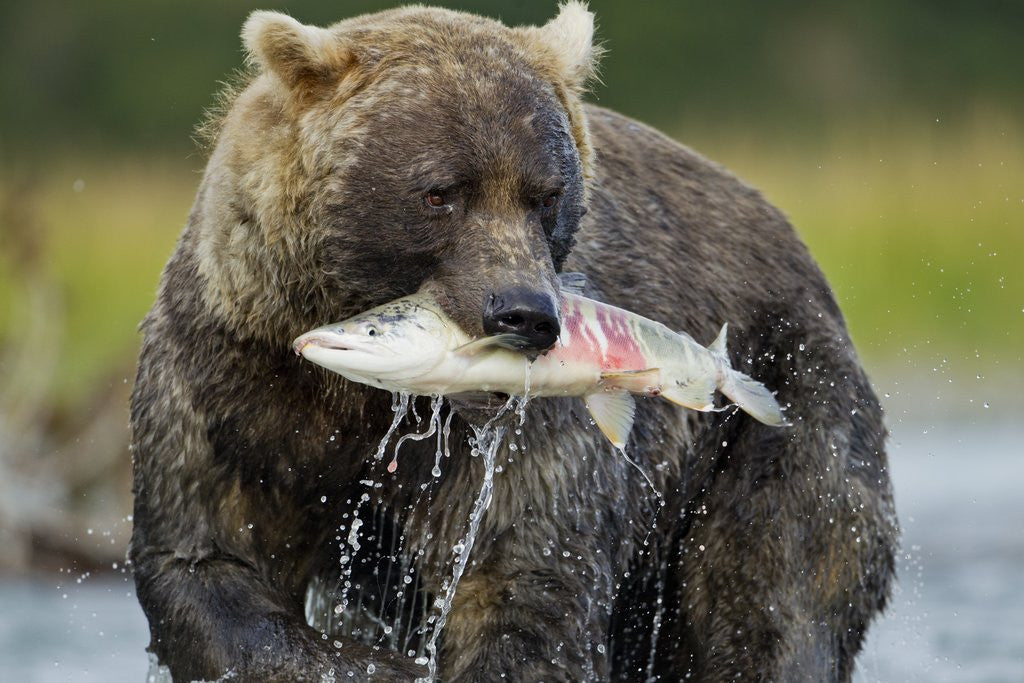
<point>749,394</point>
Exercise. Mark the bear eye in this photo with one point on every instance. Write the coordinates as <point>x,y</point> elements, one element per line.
<point>434,199</point>
<point>550,201</point>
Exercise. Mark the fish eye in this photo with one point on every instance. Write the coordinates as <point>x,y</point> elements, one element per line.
<point>372,331</point>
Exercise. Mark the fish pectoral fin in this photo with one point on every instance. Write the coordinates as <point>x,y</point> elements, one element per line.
<point>696,394</point>
<point>574,283</point>
<point>504,341</point>
<point>613,412</point>
<point>634,381</point>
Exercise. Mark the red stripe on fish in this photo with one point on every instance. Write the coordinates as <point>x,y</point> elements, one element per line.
<point>623,352</point>
<point>582,345</point>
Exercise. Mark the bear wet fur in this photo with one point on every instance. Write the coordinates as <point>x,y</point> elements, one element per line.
<point>774,548</point>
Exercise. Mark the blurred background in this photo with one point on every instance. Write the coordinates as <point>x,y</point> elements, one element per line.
<point>891,133</point>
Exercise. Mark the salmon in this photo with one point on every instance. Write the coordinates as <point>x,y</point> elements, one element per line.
<point>604,354</point>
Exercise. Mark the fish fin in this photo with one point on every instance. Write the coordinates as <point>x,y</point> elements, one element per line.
<point>754,398</point>
<point>505,341</point>
<point>634,381</point>
<point>613,412</point>
<point>696,395</point>
<point>717,347</point>
<point>574,283</point>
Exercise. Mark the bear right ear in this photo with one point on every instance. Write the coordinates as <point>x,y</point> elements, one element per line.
<point>303,57</point>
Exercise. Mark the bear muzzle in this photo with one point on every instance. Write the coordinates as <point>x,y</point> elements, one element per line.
<point>527,313</point>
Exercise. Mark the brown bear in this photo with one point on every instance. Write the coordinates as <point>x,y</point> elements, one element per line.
<point>422,147</point>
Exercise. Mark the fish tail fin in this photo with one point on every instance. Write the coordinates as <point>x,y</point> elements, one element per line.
<point>749,394</point>
<point>754,398</point>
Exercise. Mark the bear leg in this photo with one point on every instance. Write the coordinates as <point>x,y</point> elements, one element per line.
<point>210,614</point>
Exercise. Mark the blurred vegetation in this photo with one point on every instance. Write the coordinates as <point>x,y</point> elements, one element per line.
<point>116,75</point>
<point>891,133</point>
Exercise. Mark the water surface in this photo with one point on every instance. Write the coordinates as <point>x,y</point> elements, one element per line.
<point>957,615</point>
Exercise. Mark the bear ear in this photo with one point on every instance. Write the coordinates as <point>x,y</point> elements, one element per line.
<point>303,57</point>
<point>569,37</point>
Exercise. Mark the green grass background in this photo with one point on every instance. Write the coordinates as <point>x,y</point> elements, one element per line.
<point>891,133</point>
<point>920,229</point>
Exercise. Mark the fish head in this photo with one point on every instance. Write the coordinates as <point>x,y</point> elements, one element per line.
<point>398,341</point>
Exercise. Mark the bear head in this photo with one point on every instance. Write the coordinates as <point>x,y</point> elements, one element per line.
<point>413,148</point>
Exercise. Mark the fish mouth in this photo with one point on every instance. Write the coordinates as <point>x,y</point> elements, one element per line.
<point>320,341</point>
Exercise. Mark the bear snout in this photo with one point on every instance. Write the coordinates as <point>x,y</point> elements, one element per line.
<point>528,313</point>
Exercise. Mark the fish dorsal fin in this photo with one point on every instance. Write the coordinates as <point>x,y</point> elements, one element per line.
<point>574,283</point>
<point>504,341</point>
<point>634,381</point>
<point>613,412</point>
<point>717,347</point>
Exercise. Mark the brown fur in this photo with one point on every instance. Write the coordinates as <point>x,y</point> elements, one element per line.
<point>311,210</point>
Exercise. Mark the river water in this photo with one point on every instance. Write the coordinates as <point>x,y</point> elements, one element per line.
<point>957,614</point>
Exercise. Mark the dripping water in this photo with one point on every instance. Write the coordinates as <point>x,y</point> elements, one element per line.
<point>400,407</point>
<point>436,402</point>
<point>485,443</point>
<point>350,546</point>
<point>647,478</point>
<point>442,445</point>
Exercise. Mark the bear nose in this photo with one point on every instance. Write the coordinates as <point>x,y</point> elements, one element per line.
<point>527,313</point>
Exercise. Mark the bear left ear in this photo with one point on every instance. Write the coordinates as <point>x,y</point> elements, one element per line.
<point>302,56</point>
<point>569,38</point>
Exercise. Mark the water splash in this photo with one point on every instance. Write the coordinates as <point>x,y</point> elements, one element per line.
<point>442,445</point>
<point>650,484</point>
<point>434,427</point>
<point>400,407</point>
<point>485,443</point>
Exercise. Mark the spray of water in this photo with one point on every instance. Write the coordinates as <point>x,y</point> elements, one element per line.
<point>400,407</point>
<point>434,428</point>
<point>484,444</point>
